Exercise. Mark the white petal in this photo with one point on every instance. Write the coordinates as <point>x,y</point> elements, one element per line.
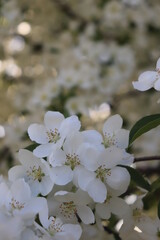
<point>64,196</point>
<point>61,175</point>
<point>119,179</point>
<point>27,158</point>
<point>113,123</point>
<point>85,214</point>
<point>69,126</point>
<point>53,120</point>
<point>72,143</point>
<point>4,190</point>
<point>35,206</point>
<point>92,136</point>
<point>82,198</point>
<point>88,156</point>
<point>145,81</point>
<point>157,85</point>
<point>21,191</point>
<point>38,133</point>
<point>73,229</point>
<point>103,210</point>
<point>158,64</point>
<point>46,186</point>
<point>111,157</point>
<point>127,160</point>
<point>97,190</point>
<point>16,172</point>
<point>84,178</point>
<point>57,158</point>
<point>76,173</point>
<point>118,206</point>
<point>35,188</point>
<point>122,138</point>
<point>44,150</point>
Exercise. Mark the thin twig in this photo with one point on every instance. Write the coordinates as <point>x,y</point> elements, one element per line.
<point>144,159</point>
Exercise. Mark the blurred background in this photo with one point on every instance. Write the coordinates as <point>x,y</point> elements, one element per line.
<point>76,57</point>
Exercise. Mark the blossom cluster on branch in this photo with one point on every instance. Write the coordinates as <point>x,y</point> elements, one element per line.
<point>71,180</point>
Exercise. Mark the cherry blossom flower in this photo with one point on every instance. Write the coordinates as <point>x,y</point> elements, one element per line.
<point>113,133</point>
<point>73,206</point>
<point>101,171</point>
<point>52,134</point>
<point>36,173</point>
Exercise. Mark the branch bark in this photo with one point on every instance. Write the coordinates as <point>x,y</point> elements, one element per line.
<point>148,158</point>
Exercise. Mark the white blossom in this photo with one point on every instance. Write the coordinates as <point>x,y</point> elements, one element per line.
<point>52,134</point>
<point>70,206</point>
<point>114,134</point>
<point>36,173</point>
<point>101,170</point>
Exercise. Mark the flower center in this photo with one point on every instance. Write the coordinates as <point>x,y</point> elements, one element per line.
<point>54,227</point>
<point>101,173</point>
<point>158,74</point>
<point>53,136</point>
<point>36,173</point>
<point>109,197</point>
<point>68,209</point>
<point>16,204</point>
<point>137,214</point>
<point>109,140</point>
<point>72,160</point>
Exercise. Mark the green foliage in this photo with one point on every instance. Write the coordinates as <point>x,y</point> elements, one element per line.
<point>144,125</point>
<point>151,198</point>
<point>32,147</point>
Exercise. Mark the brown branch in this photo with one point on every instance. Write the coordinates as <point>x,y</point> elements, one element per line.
<point>144,159</point>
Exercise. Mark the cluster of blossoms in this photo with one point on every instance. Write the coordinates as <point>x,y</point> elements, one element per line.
<point>72,179</point>
<point>70,183</point>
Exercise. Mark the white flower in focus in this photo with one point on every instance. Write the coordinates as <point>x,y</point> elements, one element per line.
<point>35,171</point>
<point>100,171</point>
<point>52,134</point>
<point>65,162</point>
<point>70,206</point>
<point>114,134</point>
<point>149,79</point>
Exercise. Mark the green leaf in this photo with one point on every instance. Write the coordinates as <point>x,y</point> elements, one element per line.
<point>137,178</point>
<point>151,197</point>
<point>144,125</point>
<point>155,185</point>
<point>159,209</point>
<point>32,146</point>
